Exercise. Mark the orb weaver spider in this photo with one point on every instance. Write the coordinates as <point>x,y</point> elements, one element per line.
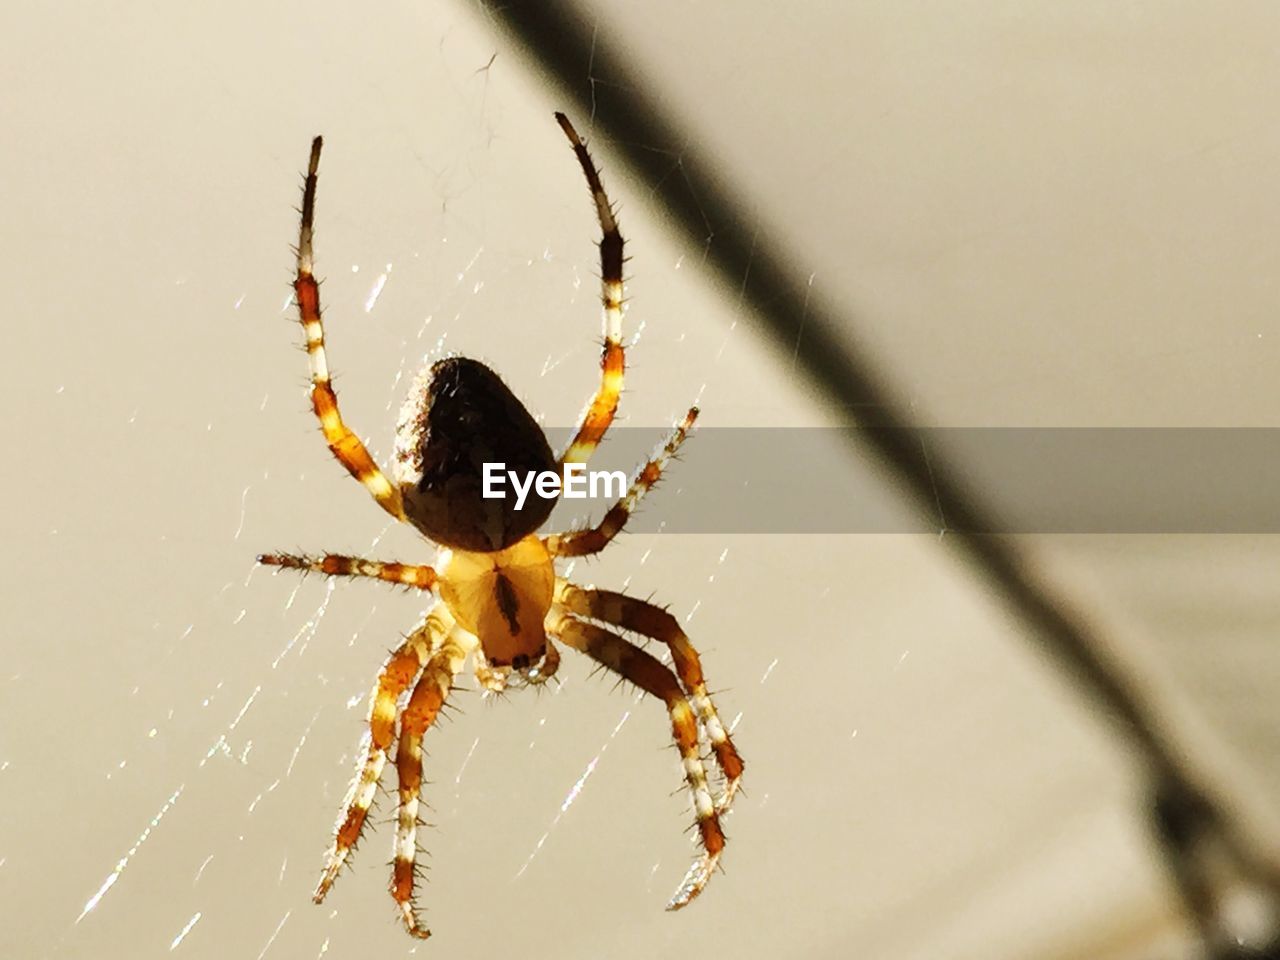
<point>500,599</point>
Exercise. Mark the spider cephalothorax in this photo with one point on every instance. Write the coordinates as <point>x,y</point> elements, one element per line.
<point>500,597</point>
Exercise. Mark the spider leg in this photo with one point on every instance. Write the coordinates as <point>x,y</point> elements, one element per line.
<point>336,565</point>
<point>581,543</point>
<point>346,446</point>
<point>424,705</point>
<point>644,618</point>
<point>396,676</point>
<point>600,410</point>
<point>649,674</point>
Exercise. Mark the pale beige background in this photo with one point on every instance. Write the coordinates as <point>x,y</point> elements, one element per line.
<point>1040,214</point>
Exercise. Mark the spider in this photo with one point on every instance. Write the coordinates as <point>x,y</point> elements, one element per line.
<point>496,594</point>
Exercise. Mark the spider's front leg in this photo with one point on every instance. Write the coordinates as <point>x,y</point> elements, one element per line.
<point>601,409</point>
<point>648,673</point>
<point>344,444</point>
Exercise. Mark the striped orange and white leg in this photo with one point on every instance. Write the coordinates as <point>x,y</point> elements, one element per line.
<point>346,446</point>
<point>638,616</point>
<point>649,674</point>
<point>336,565</point>
<point>398,674</point>
<point>601,409</point>
<point>581,543</point>
<point>424,705</point>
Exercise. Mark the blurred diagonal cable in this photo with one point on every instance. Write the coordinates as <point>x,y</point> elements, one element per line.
<point>598,80</point>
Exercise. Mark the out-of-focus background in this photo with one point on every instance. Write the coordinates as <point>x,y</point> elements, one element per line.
<point>1033,215</point>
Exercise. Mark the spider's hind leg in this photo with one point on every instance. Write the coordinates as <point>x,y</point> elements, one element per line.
<point>397,675</point>
<point>639,616</point>
<point>420,712</point>
<point>649,674</point>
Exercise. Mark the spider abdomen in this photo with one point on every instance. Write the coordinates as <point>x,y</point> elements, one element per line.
<point>459,415</point>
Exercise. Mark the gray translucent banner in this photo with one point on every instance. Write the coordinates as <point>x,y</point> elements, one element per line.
<point>1035,480</point>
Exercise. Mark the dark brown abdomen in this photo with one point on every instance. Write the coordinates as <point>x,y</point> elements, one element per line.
<point>458,416</point>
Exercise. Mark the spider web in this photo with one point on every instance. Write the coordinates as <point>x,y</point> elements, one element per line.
<point>179,737</point>
<point>252,697</point>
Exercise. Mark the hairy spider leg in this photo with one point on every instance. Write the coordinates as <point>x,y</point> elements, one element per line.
<point>398,673</point>
<point>649,674</point>
<point>638,616</point>
<point>346,446</point>
<point>424,705</point>
<point>336,565</point>
<point>581,543</point>
<point>599,412</point>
